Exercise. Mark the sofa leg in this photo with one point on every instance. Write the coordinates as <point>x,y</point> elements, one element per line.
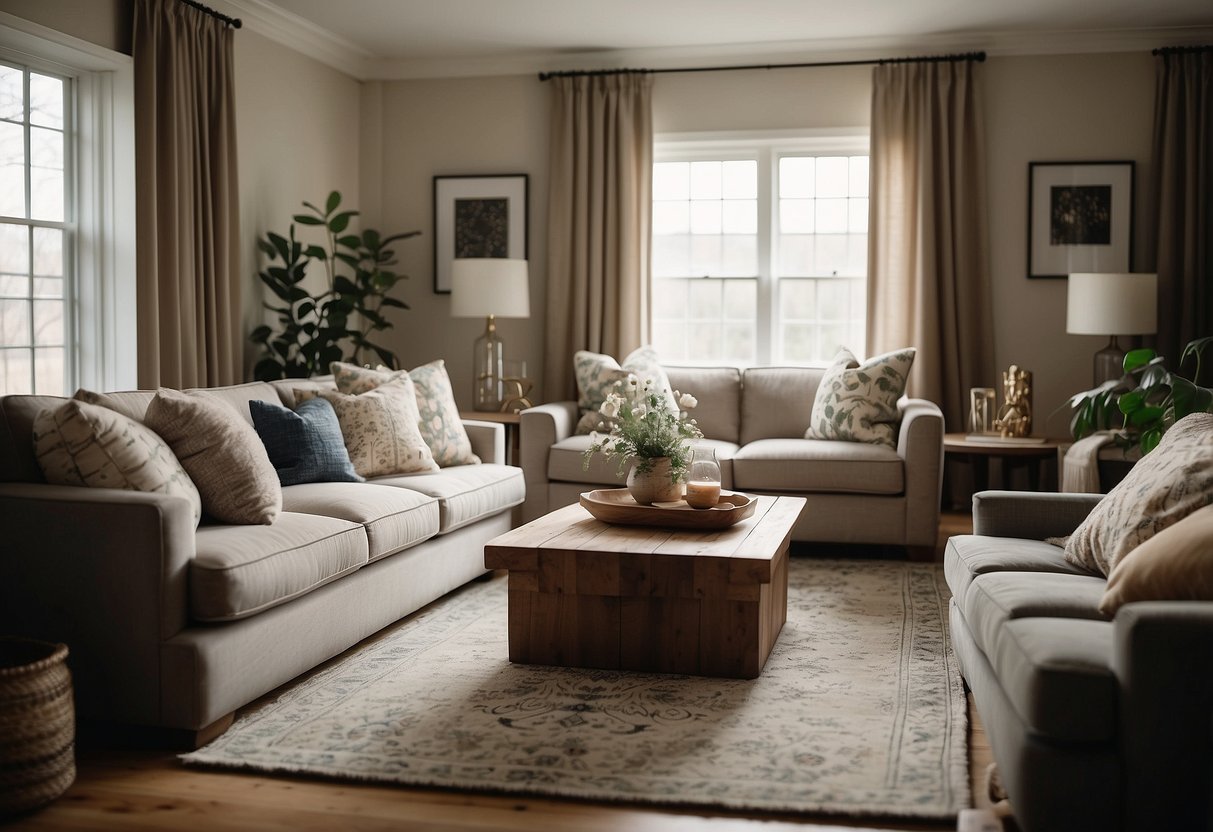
<point>213,731</point>
<point>921,554</point>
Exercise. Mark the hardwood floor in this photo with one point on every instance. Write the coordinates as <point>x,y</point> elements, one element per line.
<point>123,788</point>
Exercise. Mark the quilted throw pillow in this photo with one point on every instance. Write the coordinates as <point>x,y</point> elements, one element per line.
<point>858,402</point>
<point>222,454</point>
<point>380,428</point>
<point>79,443</point>
<point>597,375</point>
<point>304,444</point>
<point>1165,486</point>
<point>439,421</point>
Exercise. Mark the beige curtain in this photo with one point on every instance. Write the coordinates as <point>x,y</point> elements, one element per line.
<point>187,202</point>
<point>1182,197</point>
<point>599,200</point>
<point>928,278</point>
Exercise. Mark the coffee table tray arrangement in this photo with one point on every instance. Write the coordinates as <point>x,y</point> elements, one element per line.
<point>616,505</point>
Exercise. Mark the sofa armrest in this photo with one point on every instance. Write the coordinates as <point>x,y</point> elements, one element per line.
<point>541,427</point>
<point>920,445</point>
<point>488,440</point>
<point>1163,659</point>
<point>104,571</point>
<point>1029,515</point>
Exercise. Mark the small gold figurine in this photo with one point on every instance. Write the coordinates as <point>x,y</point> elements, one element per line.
<point>515,394</point>
<point>1015,415</point>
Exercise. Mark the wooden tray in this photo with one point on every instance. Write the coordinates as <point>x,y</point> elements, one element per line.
<point>615,505</point>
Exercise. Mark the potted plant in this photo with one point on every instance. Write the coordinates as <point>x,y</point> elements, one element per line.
<point>1147,400</point>
<point>316,329</point>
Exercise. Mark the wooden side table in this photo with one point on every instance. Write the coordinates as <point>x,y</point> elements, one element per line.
<point>1012,454</point>
<point>513,428</point>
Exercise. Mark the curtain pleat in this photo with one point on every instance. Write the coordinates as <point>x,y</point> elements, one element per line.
<point>187,208</point>
<point>1180,198</point>
<point>599,201</point>
<point>928,272</point>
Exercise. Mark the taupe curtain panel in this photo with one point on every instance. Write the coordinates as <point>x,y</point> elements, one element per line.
<point>928,272</point>
<point>600,185</point>
<point>1181,195</point>
<point>187,200</point>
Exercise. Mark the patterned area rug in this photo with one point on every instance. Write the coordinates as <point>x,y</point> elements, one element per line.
<point>859,711</point>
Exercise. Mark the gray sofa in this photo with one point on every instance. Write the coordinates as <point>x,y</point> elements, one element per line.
<point>756,420</point>
<point>1095,724</point>
<point>176,627</point>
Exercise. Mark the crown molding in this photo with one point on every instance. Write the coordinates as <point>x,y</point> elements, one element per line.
<point>309,39</point>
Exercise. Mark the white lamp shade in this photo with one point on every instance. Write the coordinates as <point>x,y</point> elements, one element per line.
<point>1112,304</point>
<point>483,286</point>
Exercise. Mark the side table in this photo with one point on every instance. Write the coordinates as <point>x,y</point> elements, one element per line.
<point>513,428</point>
<point>1012,454</point>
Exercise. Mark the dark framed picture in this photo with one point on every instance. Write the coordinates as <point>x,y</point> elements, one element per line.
<point>478,216</point>
<point>1080,217</point>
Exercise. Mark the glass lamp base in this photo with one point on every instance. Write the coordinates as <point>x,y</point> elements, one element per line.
<point>1109,362</point>
<point>487,368</point>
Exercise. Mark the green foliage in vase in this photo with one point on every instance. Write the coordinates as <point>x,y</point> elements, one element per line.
<point>335,325</point>
<point>643,429</point>
<point>1146,401</point>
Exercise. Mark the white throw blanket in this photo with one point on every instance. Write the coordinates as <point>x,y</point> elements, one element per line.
<point>1080,469</point>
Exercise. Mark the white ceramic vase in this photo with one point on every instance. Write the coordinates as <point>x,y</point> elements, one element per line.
<point>657,485</point>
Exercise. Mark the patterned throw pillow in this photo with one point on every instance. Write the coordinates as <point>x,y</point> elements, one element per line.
<point>597,375</point>
<point>439,421</point>
<point>1173,565</point>
<point>1165,486</point>
<point>304,444</point>
<point>380,428</point>
<point>79,443</point>
<point>858,402</point>
<point>222,453</point>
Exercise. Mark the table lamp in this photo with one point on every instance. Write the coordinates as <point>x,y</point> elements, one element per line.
<point>491,288</point>
<point>1112,305</point>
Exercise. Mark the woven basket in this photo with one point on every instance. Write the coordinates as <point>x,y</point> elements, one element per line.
<point>37,724</point>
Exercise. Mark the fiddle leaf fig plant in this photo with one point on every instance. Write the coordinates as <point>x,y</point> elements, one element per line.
<point>1147,400</point>
<point>316,329</point>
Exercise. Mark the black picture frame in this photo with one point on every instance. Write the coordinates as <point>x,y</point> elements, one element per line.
<point>1080,217</point>
<point>479,215</point>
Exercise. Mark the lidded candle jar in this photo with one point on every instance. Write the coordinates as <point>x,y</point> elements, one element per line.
<point>703,478</point>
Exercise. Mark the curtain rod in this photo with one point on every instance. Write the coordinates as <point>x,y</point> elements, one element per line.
<point>234,22</point>
<point>1180,50</point>
<point>575,73</point>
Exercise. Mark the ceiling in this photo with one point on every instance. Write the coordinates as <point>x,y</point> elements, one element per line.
<point>427,38</point>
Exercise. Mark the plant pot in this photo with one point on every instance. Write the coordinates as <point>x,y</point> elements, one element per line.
<point>37,724</point>
<point>656,485</point>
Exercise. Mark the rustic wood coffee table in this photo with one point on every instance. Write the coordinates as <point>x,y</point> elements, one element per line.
<point>583,593</point>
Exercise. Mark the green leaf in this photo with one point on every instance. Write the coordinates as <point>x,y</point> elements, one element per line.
<point>333,201</point>
<point>1149,439</point>
<point>1145,416</point>
<point>261,334</point>
<point>341,221</point>
<point>316,252</point>
<point>1138,358</point>
<point>343,286</point>
<point>307,219</point>
<point>267,369</point>
<point>1132,401</point>
<point>394,303</point>
<point>306,308</point>
<point>350,241</point>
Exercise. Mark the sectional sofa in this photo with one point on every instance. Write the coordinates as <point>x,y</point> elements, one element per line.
<point>178,627</point>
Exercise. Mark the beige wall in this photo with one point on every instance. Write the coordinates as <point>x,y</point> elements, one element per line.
<point>103,22</point>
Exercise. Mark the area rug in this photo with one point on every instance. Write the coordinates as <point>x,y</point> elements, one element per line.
<point>859,710</point>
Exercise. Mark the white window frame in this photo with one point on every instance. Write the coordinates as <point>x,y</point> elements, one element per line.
<point>100,297</point>
<point>766,146</point>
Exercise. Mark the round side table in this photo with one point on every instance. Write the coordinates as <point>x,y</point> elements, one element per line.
<point>979,451</point>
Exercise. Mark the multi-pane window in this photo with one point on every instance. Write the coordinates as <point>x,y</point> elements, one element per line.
<point>759,255</point>
<point>34,233</point>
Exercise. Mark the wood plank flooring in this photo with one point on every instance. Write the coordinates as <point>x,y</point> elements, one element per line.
<point>124,788</point>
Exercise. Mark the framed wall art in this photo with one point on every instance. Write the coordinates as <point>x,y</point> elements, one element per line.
<point>1080,217</point>
<point>478,216</point>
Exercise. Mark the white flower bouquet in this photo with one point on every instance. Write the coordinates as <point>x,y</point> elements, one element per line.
<point>643,428</point>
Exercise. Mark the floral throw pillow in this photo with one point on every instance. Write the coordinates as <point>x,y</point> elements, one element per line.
<point>858,402</point>
<point>597,375</point>
<point>438,415</point>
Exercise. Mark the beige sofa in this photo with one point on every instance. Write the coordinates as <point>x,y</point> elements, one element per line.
<point>756,420</point>
<point>176,627</point>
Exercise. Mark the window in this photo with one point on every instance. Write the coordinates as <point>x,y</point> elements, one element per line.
<point>759,249</point>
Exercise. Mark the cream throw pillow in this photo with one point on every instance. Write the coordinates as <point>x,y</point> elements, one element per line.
<point>598,374</point>
<point>79,443</point>
<point>438,415</point>
<point>380,428</point>
<point>1174,565</point>
<point>858,402</point>
<point>1165,486</point>
<point>222,453</point>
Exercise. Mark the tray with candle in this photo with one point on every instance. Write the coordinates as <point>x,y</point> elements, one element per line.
<point>615,505</point>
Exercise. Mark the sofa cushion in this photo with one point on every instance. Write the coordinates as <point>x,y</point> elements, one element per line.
<point>970,555</point>
<point>858,402</point>
<point>238,571</point>
<point>287,387</point>
<point>997,598</point>
<point>304,444</point>
<point>1165,486</point>
<point>237,396</point>
<point>566,456</point>
<point>810,465</point>
<point>776,402</point>
<point>395,518</point>
<point>1057,673</point>
<point>466,493</point>
<point>718,389</point>
<point>597,376</point>
<point>1174,565</point>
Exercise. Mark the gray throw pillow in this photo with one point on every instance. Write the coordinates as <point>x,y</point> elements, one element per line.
<point>304,444</point>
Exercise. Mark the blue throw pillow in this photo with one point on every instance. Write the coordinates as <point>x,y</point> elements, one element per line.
<point>304,444</point>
